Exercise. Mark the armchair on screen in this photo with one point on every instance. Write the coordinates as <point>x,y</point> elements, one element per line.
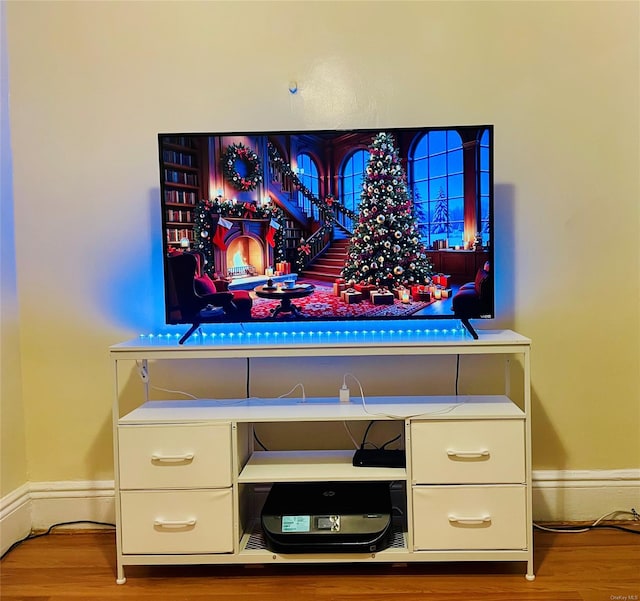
<point>195,298</point>
<point>475,299</point>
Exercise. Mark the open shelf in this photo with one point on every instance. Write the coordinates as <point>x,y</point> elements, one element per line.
<point>253,544</point>
<point>312,466</point>
<point>324,408</point>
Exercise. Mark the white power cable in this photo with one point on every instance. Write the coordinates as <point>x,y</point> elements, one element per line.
<point>442,411</point>
<point>586,528</point>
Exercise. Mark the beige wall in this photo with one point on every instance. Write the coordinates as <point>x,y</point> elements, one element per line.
<point>92,83</point>
<point>13,470</point>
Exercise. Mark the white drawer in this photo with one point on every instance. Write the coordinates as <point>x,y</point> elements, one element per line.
<point>469,517</point>
<point>175,456</point>
<point>467,452</point>
<point>177,522</point>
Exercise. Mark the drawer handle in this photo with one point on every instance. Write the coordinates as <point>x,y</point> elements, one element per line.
<point>484,454</point>
<point>454,519</point>
<point>184,458</point>
<point>175,523</point>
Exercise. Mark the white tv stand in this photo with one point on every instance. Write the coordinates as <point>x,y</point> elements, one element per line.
<point>186,472</point>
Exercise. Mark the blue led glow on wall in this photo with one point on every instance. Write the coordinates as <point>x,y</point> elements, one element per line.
<point>293,333</point>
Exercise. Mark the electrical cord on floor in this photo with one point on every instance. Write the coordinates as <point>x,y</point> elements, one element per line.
<point>48,531</point>
<point>596,524</point>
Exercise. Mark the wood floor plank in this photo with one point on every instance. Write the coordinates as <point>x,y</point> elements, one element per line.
<point>600,565</point>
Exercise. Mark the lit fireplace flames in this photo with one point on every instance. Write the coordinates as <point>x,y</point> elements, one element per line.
<point>238,260</point>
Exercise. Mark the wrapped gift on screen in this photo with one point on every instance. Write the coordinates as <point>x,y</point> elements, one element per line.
<point>339,287</point>
<point>381,297</point>
<point>446,293</point>
<point>351,296</point>
<point>284,267</point>
<point>441,279</point>
<point>365,289</point>
<point>421,293</point>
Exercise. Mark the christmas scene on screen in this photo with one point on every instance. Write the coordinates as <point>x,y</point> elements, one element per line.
<point>339,225</point>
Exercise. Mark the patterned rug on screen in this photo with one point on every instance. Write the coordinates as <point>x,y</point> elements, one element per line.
<point>323,303</point>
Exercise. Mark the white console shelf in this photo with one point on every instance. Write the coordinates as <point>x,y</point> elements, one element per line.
<point>188,479</point>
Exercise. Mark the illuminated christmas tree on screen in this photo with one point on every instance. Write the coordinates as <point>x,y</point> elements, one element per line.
<point>386,249</point>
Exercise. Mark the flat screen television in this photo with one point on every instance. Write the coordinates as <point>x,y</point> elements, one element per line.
<point>338,225</point>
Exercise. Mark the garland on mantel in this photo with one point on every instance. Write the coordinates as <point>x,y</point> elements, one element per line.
<point>209,214</point>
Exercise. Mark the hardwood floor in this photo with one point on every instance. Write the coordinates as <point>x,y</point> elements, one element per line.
<point>599,565</point>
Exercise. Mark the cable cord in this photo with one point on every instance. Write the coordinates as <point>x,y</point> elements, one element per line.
<point>351,436</point>
<point>255,437</point>
<point>31,535</point>
<point>193,396</point>
<point>298,385</point>
<point>366,432</point>
<point>248,379</point>
<point>596,524</point>
<point>220,402</point>
<point>442,411</point>
<point>383,446</point>
<point>282,396</point>
<point>187,394</point>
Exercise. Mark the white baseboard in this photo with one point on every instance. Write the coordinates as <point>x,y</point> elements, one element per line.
<point>558,496</point>
<point>15,517</point>
<point>57,502</point>
<point>583,495</point>
<point>36,506</point>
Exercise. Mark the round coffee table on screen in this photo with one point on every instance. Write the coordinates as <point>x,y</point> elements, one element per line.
<point>285,296</point>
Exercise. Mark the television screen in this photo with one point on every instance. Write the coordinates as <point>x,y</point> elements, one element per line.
<point>361,224</point>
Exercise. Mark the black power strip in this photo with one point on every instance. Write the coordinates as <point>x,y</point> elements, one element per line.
<point>379,458</point>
